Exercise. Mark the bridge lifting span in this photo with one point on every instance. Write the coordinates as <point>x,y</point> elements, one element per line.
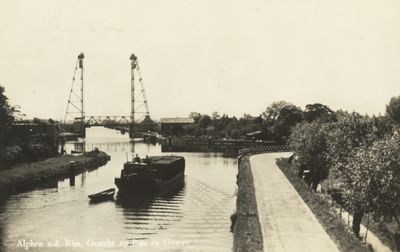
<point>107,120</point>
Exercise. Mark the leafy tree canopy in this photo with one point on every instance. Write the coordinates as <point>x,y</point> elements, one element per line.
<point>319,112</point>
<point>272,111</point>
<point>6,111</point>
<point>37,120</point>
<point>371,180</point>
<point>351,131</point>
<point>246,116</point>
<point>309,141</point>
<point>215,116</point>
<point>196,116</point>
<point>288,117</point>
<point>204,121</point>
<point>393,109</point>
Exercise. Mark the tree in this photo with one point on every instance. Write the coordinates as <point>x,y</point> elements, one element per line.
<point>272,124</point>
<point>319,112</point>
<point>204,121</point>
<point>287,118</point>
<point>39,121</point>
<point>381,126</point>
<point>6,110</point>
<point>272,111</point>
<point>189,129</point>
<point>246,116</point>
<point>7,117</point>
<point>196,116</point>
<point>393,109</point>
<point>309,141</point>
<point>351,131</point>
<point>210,131</point>
<point>198,132</point>
<point>215,116</point>
<point>371,180</point>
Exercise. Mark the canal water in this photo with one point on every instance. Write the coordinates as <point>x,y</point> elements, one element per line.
<point>193,216</point>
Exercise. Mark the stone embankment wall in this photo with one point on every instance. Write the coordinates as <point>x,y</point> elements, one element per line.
<point>245,222</point>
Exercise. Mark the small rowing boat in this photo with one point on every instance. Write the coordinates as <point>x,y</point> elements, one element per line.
<point>104,195</point>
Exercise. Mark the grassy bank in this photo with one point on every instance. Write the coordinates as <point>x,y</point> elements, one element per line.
<point>26,176</point>
<point>339,231</point>
<point>247,229</point>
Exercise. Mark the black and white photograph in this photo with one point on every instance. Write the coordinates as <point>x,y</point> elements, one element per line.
<point>199,125</point>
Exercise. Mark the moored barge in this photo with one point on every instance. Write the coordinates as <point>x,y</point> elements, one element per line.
<point>151,174</point>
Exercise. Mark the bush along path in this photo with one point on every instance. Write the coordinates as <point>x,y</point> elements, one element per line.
<point>27,176</point>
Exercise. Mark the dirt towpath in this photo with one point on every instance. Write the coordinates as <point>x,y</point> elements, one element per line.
<point>286,221</point>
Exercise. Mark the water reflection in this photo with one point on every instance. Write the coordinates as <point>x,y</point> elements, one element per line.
<point>227,151</point>
<point>196,210</point>
<point>146,214</point>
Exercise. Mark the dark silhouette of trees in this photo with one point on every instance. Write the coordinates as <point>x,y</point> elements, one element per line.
<point>280,117</point>
<point>196,116</point>
<point>271,113</point>
<point>204,121</point>
<point>215,116</point>
<point>6,110</point>
<point>287,118</point>
<point>319,112</point>
<point>37,120</point>
<point>393,109</point>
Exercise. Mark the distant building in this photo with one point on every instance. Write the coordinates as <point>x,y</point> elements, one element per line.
<point>28,129</point>
<point>167,124</point>
<point>144,126</point>
<point>229,125</point>
<point>257,135</point>
<point>254,120</point>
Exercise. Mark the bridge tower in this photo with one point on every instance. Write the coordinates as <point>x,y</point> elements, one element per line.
<point>76,110</point>
<point>142,123</point>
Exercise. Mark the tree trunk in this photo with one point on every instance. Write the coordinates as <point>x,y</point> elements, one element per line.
<point>356,222</point>
<point>302,167</point>
<point>291,159</point>
<point>395,217</point>
<point>316,179</point>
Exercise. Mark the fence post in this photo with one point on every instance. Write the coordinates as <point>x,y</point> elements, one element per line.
<point>72,173</point>
<point>348,219</point>
<point>366,233</point>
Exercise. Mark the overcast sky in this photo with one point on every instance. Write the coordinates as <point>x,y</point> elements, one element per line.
<point>233,57</point>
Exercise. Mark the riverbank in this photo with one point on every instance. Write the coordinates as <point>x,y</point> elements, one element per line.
<point>247,235</point>
<point>29,175</point>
